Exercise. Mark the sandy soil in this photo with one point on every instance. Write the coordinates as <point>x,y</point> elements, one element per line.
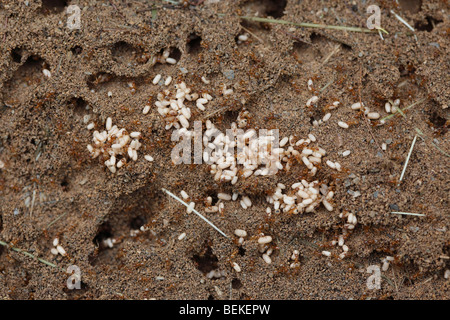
<point>51,187</point>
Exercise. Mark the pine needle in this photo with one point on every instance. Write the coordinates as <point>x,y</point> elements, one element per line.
<point>403,21</point>
<point>407,158</point>
<point>409,213</point>
<point>195,211</point>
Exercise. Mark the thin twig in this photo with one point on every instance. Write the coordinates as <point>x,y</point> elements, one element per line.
<point>254,35</point>
<point>195,211</point>
<point>333,52</point>
<point>327,85</point>
<point>409,213</point>
<point>407,159</point>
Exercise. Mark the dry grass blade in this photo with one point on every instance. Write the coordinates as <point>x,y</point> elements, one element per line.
<point>401,111</point>
<point>25,253</point>
<point>310,25</point>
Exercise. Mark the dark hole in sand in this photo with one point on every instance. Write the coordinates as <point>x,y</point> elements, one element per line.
<point>241,251</point>
<point>236,284</point>
<point>206,261</point>
<point>53,6</point>
<point>439,122</point>
<point>32,68</point>
<point>275,8</point>
<point>16,55</point>
<point>65,184</point>
<point>427,25</point>
<point>78,105</point>
<point>229,117</point>
<point>213,195</point>
<point>76,50</point>
<point>406,71</point>
<point>194,44</point>
<point>104,232</point>
<point>175,53</point>
<point>137,222</point>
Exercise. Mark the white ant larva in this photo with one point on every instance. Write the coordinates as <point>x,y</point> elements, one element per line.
<point>205,81</point>
<point>47,73</point>
<point>387,107</point>
<point>312,100</point>
<point>156,79</point>
<point>171,61</point>
<point>327,205</point>
<point>184,195</point>
<point>342,124</point>
<point>108,124</point>
<point>247,201</point>
<point>267,259</point>
<point>326,253</point>
<point>284,141</point>
<point>61,250</point>
<point>356,106</point>
<point>224,196</point>
<point>265,240</point>
<point>331,164</point>
<point>240,233</point>
<point>373,115</point>
<point>243,37</point>
<point>190,207</point>
<point>310,85</point>
<point>312,137</point>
